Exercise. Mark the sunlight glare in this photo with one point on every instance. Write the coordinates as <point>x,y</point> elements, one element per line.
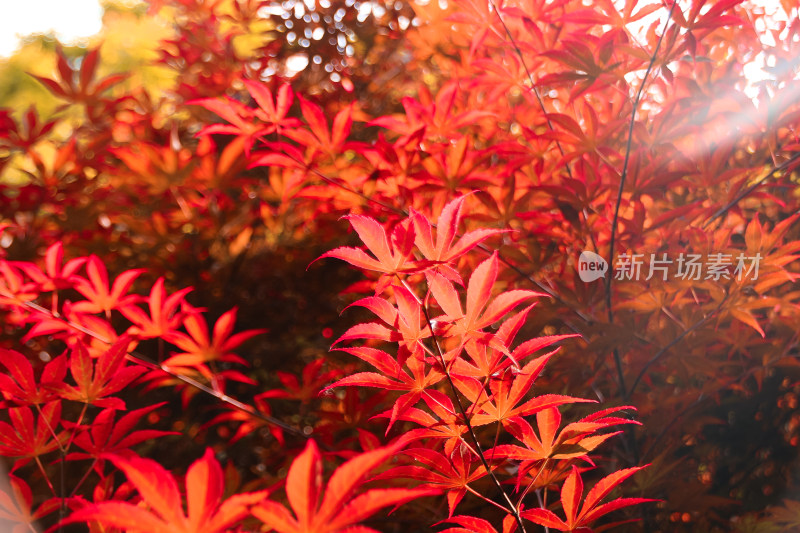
<point>68,20</point>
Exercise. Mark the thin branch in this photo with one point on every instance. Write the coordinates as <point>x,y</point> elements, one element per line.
<point>532,87</point>
<point>540,101</point>
<point>702,396</point>
<point>153,365</point>
<point>462,410</point>
<point>675,341</point>
<point>623,176</point>
<point>739,197</point>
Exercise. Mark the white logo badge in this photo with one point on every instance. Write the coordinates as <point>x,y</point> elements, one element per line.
<point>591,266</point>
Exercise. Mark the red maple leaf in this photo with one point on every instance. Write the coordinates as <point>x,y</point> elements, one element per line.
<point>335,507</point>
<point>313,382</point>
<point>445,250</point>
<point>16,502</point>
<point>207,513</point>
<point>99,298</point>
<point>452,472</point>
<point>471,322</point>
<point>441,423</point>
<point>391,376</point>
<point>507,396</point>
<point>405,324</point>
<point>391,257</point>
<point>471,524</point>
<point>580,516</point>
<point>247,123</point>
<point>574,440</point>
<point>55,275</point>
<point>200,348</point>
<point>14,291</point>
<point>20,385</point>
<point>25,439</point>
<point>86,90</point>
<point>163,317</point>
<point>317,138</point>
<point>95,380</point>
<point>104,436</point>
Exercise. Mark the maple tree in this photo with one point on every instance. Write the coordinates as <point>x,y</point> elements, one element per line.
<point>173,262</point>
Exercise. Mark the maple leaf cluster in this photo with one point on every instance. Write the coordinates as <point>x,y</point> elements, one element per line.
<point>433,173</point>
<point>490,384</point>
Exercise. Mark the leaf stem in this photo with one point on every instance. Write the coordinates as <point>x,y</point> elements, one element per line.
<point>470,429</point>
<point>47,479</point>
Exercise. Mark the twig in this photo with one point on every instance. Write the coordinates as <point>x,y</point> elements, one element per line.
<point>533,88</point>
<point>152,365</point>
<point>739,197</point>
<point>462,410</point>
<point>675,341</point>
<point>468,424</point>
<point>623,176</point>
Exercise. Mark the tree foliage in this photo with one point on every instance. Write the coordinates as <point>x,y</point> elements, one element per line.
<point>178,240</point>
